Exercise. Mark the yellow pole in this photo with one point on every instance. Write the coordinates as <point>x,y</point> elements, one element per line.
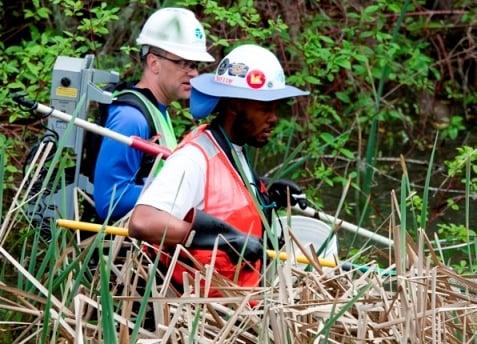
<point>301,259</point>
<point>94,227</point>
<point>91,227</point>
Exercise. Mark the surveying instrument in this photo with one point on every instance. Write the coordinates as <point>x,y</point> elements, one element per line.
<point>73,88</point>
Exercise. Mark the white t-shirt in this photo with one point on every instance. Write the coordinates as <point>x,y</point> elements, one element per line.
<point>180,184</point>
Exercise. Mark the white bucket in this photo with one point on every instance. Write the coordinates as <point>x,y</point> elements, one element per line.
<point>310,231</point>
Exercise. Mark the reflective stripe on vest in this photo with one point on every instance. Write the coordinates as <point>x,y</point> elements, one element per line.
<point>208,146</point>
<point>162,123</point>
<point>227,198</point>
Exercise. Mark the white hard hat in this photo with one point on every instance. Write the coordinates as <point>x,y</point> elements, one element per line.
<point>247,72</point>
<point>177,31</point>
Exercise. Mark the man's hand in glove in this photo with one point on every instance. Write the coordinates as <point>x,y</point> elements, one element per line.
<point>197,230</point>
<point>277,191</point>
<point>207,228</point>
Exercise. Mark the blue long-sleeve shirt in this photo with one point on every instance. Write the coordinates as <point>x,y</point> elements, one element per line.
<point>118,164</point>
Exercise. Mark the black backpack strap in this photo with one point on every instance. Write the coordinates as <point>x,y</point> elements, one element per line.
<point>92,141</point>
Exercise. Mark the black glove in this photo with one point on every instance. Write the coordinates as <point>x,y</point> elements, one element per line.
<point>277,192</point>
<point>207,228</point>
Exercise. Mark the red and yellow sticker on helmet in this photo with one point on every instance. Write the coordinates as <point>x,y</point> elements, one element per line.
<point>256,78</point>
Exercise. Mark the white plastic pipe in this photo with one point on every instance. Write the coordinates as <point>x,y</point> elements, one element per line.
<point>132,141</point>
<point>308,211</point>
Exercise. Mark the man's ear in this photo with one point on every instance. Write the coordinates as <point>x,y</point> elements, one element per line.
<point>153,63</point>
<point>233,106</point>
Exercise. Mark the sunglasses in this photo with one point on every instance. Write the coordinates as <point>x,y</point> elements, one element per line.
<point>181,63</point>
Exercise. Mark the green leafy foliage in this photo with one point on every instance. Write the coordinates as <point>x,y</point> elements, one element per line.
<point>463,238</point>
<point>453,128</point>
<point>455,232</point>
<point>27,66</point>
<point>10,169</point>
<point>456,166</point>
<point>340,59</point>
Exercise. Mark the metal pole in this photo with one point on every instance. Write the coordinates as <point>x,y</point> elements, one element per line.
<point>308,211</point>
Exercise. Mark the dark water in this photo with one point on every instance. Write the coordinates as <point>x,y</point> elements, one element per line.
<point>388,178</point>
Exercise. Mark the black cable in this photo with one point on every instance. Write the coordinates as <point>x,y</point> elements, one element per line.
<point>39,215</point>
<point>43,116</point>
<point>48,137</point>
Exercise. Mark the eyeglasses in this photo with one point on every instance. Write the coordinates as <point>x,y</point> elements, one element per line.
<point>181,63</point>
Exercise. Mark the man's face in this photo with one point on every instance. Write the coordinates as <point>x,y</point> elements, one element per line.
<point>254,122</point>
<point>175,75</point>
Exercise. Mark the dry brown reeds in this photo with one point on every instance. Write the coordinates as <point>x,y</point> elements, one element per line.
<point>428,302</point>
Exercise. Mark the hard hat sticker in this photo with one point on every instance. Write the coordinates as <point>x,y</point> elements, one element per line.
<point>223,67</point>
<point>238,69</point>
<point>255,79</point>
<point>280,77</point>
<point>198,33</point>
<point>223,80</point>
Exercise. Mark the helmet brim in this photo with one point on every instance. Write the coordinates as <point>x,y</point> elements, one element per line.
<point>206,84</point>
<point>192,53</point>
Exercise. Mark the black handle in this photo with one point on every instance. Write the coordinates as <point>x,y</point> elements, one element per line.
<point>19,98</point>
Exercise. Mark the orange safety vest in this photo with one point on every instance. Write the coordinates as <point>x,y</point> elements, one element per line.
<point>227,198</point>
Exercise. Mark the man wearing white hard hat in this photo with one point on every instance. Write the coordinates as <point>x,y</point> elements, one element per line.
<point>202,192</point>
<point>172,42</point>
